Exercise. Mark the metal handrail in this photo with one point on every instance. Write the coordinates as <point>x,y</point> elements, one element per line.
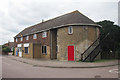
<point>91,44</point>
<point>94,48</point>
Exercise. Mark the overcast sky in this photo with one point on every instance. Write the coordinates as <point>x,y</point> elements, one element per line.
<point>15,15</point>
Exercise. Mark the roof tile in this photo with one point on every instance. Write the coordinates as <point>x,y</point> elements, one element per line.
<point>69,18</point>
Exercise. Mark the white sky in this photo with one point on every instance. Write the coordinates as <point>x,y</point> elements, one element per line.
<point>15,15</point>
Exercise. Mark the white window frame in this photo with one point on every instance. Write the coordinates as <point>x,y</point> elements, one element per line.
<point>35,36</point>
<point>44,34</point>
<point>19,45</point>
<point>70,30</point>
<point>85,27</point>
<point>27,37</point>
<point>26,45</point>
<point>21,39</point>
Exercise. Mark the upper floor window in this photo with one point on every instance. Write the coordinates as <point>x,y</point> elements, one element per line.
<point>16,40</point>
<point>85,27</point>
<point>35,36</point>
<point>27,37</point>
<point>21,39</point>
<point>70,30</point>
<point>44,34</point>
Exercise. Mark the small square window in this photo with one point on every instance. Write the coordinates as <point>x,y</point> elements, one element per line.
<point>26,50</point>
<point>27,37</point>
<point>85,27</point>
<point>70,30</point>
<point>44,49</point>
<point>44,34</point>
<point>35,36</point>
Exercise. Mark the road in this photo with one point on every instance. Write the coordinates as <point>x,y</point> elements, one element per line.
<point>15,69</point>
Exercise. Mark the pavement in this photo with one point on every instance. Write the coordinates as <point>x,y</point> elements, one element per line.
<point>63,64</point>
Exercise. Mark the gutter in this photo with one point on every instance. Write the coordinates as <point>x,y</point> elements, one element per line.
<point>74,24</point>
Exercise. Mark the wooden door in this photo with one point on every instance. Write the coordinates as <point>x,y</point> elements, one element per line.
<point>70,53</point>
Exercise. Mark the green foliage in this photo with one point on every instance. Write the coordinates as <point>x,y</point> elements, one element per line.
<point>5,49</point>
<point>111,45</point>
<point>13,51</point>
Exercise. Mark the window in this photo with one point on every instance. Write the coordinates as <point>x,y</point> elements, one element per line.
<point>21,39</point>
<point>27,37</point>
<point>44,34</point>
<point>26,50</point>
<point>70,30</point>
<point>16,40</point>
<point>44,50</point>
<point>85,27</point>
<point>35,36</point>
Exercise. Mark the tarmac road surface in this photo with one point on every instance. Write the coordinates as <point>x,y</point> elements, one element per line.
<point>15,69</point>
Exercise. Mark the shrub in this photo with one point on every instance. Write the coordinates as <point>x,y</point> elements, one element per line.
<point>5,49</point>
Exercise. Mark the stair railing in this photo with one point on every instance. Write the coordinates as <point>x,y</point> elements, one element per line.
<point>86,51</point>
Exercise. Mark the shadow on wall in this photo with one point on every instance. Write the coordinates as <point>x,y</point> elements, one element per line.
<point>81,47</point>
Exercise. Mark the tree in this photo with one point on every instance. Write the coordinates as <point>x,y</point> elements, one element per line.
<point>5,49</point>
<point>111,45</point>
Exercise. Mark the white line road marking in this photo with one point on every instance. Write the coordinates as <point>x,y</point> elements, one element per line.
<point>114,71</point>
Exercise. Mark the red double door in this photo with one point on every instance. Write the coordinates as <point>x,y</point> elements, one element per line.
<point>70,53</point>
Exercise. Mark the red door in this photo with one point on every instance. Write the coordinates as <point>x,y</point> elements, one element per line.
<point>70,53</point>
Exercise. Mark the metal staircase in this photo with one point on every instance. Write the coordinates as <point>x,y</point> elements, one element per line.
<point>94,49</point>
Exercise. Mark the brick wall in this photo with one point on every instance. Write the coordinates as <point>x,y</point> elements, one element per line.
<point>42,41</point>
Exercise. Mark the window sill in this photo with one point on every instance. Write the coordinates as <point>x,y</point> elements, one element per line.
<point>70,34</point>
<point>44,37</point>
<point>27,53</point>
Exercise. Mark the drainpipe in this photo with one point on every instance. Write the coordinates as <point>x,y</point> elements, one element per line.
<point>51,56</point>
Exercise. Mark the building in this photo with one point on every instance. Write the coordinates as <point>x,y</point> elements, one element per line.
<point>9,45</point>
<point>64,38</point>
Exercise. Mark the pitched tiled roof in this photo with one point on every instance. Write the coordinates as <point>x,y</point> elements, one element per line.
<point>70,18</point>
<point>9,44</point>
